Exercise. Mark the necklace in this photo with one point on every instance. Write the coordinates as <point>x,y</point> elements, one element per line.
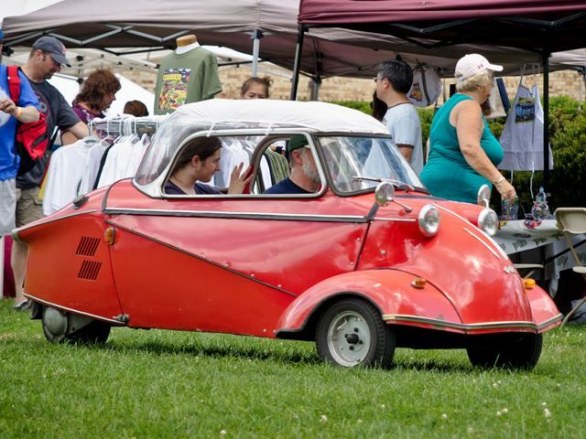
<point>399,103</point>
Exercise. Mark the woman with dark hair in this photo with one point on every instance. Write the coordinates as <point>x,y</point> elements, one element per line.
<point>136,108</point>
<point>198,162</point>
<point>95,96</point>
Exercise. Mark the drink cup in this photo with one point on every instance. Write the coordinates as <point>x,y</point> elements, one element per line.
<point>509,209</point>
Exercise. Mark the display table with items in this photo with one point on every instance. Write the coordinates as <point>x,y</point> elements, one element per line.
<point>522,236</point>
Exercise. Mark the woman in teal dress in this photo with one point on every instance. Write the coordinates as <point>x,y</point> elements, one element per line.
<point>463,151</point>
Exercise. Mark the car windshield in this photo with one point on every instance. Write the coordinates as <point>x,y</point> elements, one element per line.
<point>356,163</point>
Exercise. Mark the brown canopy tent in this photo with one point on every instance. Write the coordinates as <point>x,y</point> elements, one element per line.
<point>540,27</point>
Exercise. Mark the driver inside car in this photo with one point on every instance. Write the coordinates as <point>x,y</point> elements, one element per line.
<point>304,177</point>
<point>196,165</point>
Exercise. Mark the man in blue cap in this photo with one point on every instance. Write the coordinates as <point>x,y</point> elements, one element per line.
<point>304,177</point>
<point>45,59</point>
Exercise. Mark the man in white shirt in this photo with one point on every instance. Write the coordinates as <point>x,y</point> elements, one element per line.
<point>393,82</point>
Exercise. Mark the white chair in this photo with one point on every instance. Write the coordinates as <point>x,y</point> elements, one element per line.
<point>531,269</point>
<point>572,221</point>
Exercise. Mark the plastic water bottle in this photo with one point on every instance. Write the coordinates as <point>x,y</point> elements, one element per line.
<point>540,209</point>
<point>541,196</point>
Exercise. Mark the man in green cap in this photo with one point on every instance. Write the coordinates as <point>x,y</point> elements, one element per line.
<point>304,177</point>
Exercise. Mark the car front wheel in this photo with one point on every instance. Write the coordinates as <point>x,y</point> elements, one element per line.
<point>522,352</point>
<point>352,333</point>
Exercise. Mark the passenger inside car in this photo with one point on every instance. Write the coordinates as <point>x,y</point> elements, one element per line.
<point>304,177</point>
<point>197,163</point>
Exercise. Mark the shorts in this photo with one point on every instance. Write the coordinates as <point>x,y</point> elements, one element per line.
<point>7,206</point>
<point>28,206</point>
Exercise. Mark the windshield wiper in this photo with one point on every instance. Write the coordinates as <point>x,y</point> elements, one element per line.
<point>398,184</point>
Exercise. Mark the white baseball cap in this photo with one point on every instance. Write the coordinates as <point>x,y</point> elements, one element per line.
<point>473,64</point>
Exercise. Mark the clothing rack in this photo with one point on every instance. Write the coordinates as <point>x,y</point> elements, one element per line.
<point>125,126</point>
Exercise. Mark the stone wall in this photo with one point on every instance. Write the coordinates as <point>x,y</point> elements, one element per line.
<point>565,82</point>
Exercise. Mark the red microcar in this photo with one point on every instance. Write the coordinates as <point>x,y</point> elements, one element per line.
<point>366,263</point>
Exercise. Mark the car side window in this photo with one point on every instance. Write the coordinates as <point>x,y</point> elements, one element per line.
<point>273,165</point>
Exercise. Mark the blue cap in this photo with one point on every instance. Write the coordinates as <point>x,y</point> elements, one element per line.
<point>53,46</point>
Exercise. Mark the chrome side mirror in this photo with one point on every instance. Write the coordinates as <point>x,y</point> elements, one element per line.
<point>483,197</point>
<point>384,193</point>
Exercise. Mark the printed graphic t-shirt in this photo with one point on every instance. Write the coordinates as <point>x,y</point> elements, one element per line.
<point>187,77</point>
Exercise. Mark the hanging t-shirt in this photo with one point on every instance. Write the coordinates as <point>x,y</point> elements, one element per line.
<point>187,77</point>
<point>522,137</point>
<point>426,87</point>
<point>65,174</point>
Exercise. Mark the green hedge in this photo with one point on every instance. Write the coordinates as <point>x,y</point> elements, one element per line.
<point>567,127</point>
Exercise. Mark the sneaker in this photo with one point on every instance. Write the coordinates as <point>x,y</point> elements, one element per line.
<point>22,306</point>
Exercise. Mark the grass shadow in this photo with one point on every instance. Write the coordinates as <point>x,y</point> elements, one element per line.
<point>262,352</point>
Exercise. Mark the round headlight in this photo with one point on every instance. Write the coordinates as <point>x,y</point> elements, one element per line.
<point>488,222</point>
<point>428,220</point>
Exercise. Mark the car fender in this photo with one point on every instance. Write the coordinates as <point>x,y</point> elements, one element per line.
<point>390,290</point>
<point>545,312</point>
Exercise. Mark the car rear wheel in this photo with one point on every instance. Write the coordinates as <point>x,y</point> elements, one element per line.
<point>351,333</point>
<point>522,352</point>
<point>59,327</point>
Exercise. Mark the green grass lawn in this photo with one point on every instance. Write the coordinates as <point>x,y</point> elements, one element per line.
<point>145,384</point>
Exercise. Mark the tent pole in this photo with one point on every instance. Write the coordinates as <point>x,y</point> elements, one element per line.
<point>546,119</point>
<point>256,36</point>
<point>297,64</point>
<point>315,85</point>
<point>582,71</point>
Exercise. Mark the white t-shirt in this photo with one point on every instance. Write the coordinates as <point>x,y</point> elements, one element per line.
<point>403,123</point>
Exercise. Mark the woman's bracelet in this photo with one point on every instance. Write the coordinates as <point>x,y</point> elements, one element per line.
<point>499,180</point>
<point>18,112</point>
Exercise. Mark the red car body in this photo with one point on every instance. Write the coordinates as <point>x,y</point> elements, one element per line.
<point>274,266</point>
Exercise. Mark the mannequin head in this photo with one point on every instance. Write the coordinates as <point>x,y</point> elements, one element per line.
<point>186,40</point>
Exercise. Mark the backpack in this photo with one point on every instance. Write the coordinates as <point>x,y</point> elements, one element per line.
<point>32,139</point>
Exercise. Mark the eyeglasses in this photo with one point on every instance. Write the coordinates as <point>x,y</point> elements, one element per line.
<point>55,63</point>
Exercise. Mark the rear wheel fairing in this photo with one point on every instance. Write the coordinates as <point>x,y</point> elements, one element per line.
<point>68,265</point>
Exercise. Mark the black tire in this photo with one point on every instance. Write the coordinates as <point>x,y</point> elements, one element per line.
<point>55,324</point>
<point>57,327</point>
<point>351,333</point>
<point>522,352</point>
<point>96,332</point>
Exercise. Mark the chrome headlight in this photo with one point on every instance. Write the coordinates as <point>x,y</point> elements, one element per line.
<point>488,222</point>
<point>429,220</point>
